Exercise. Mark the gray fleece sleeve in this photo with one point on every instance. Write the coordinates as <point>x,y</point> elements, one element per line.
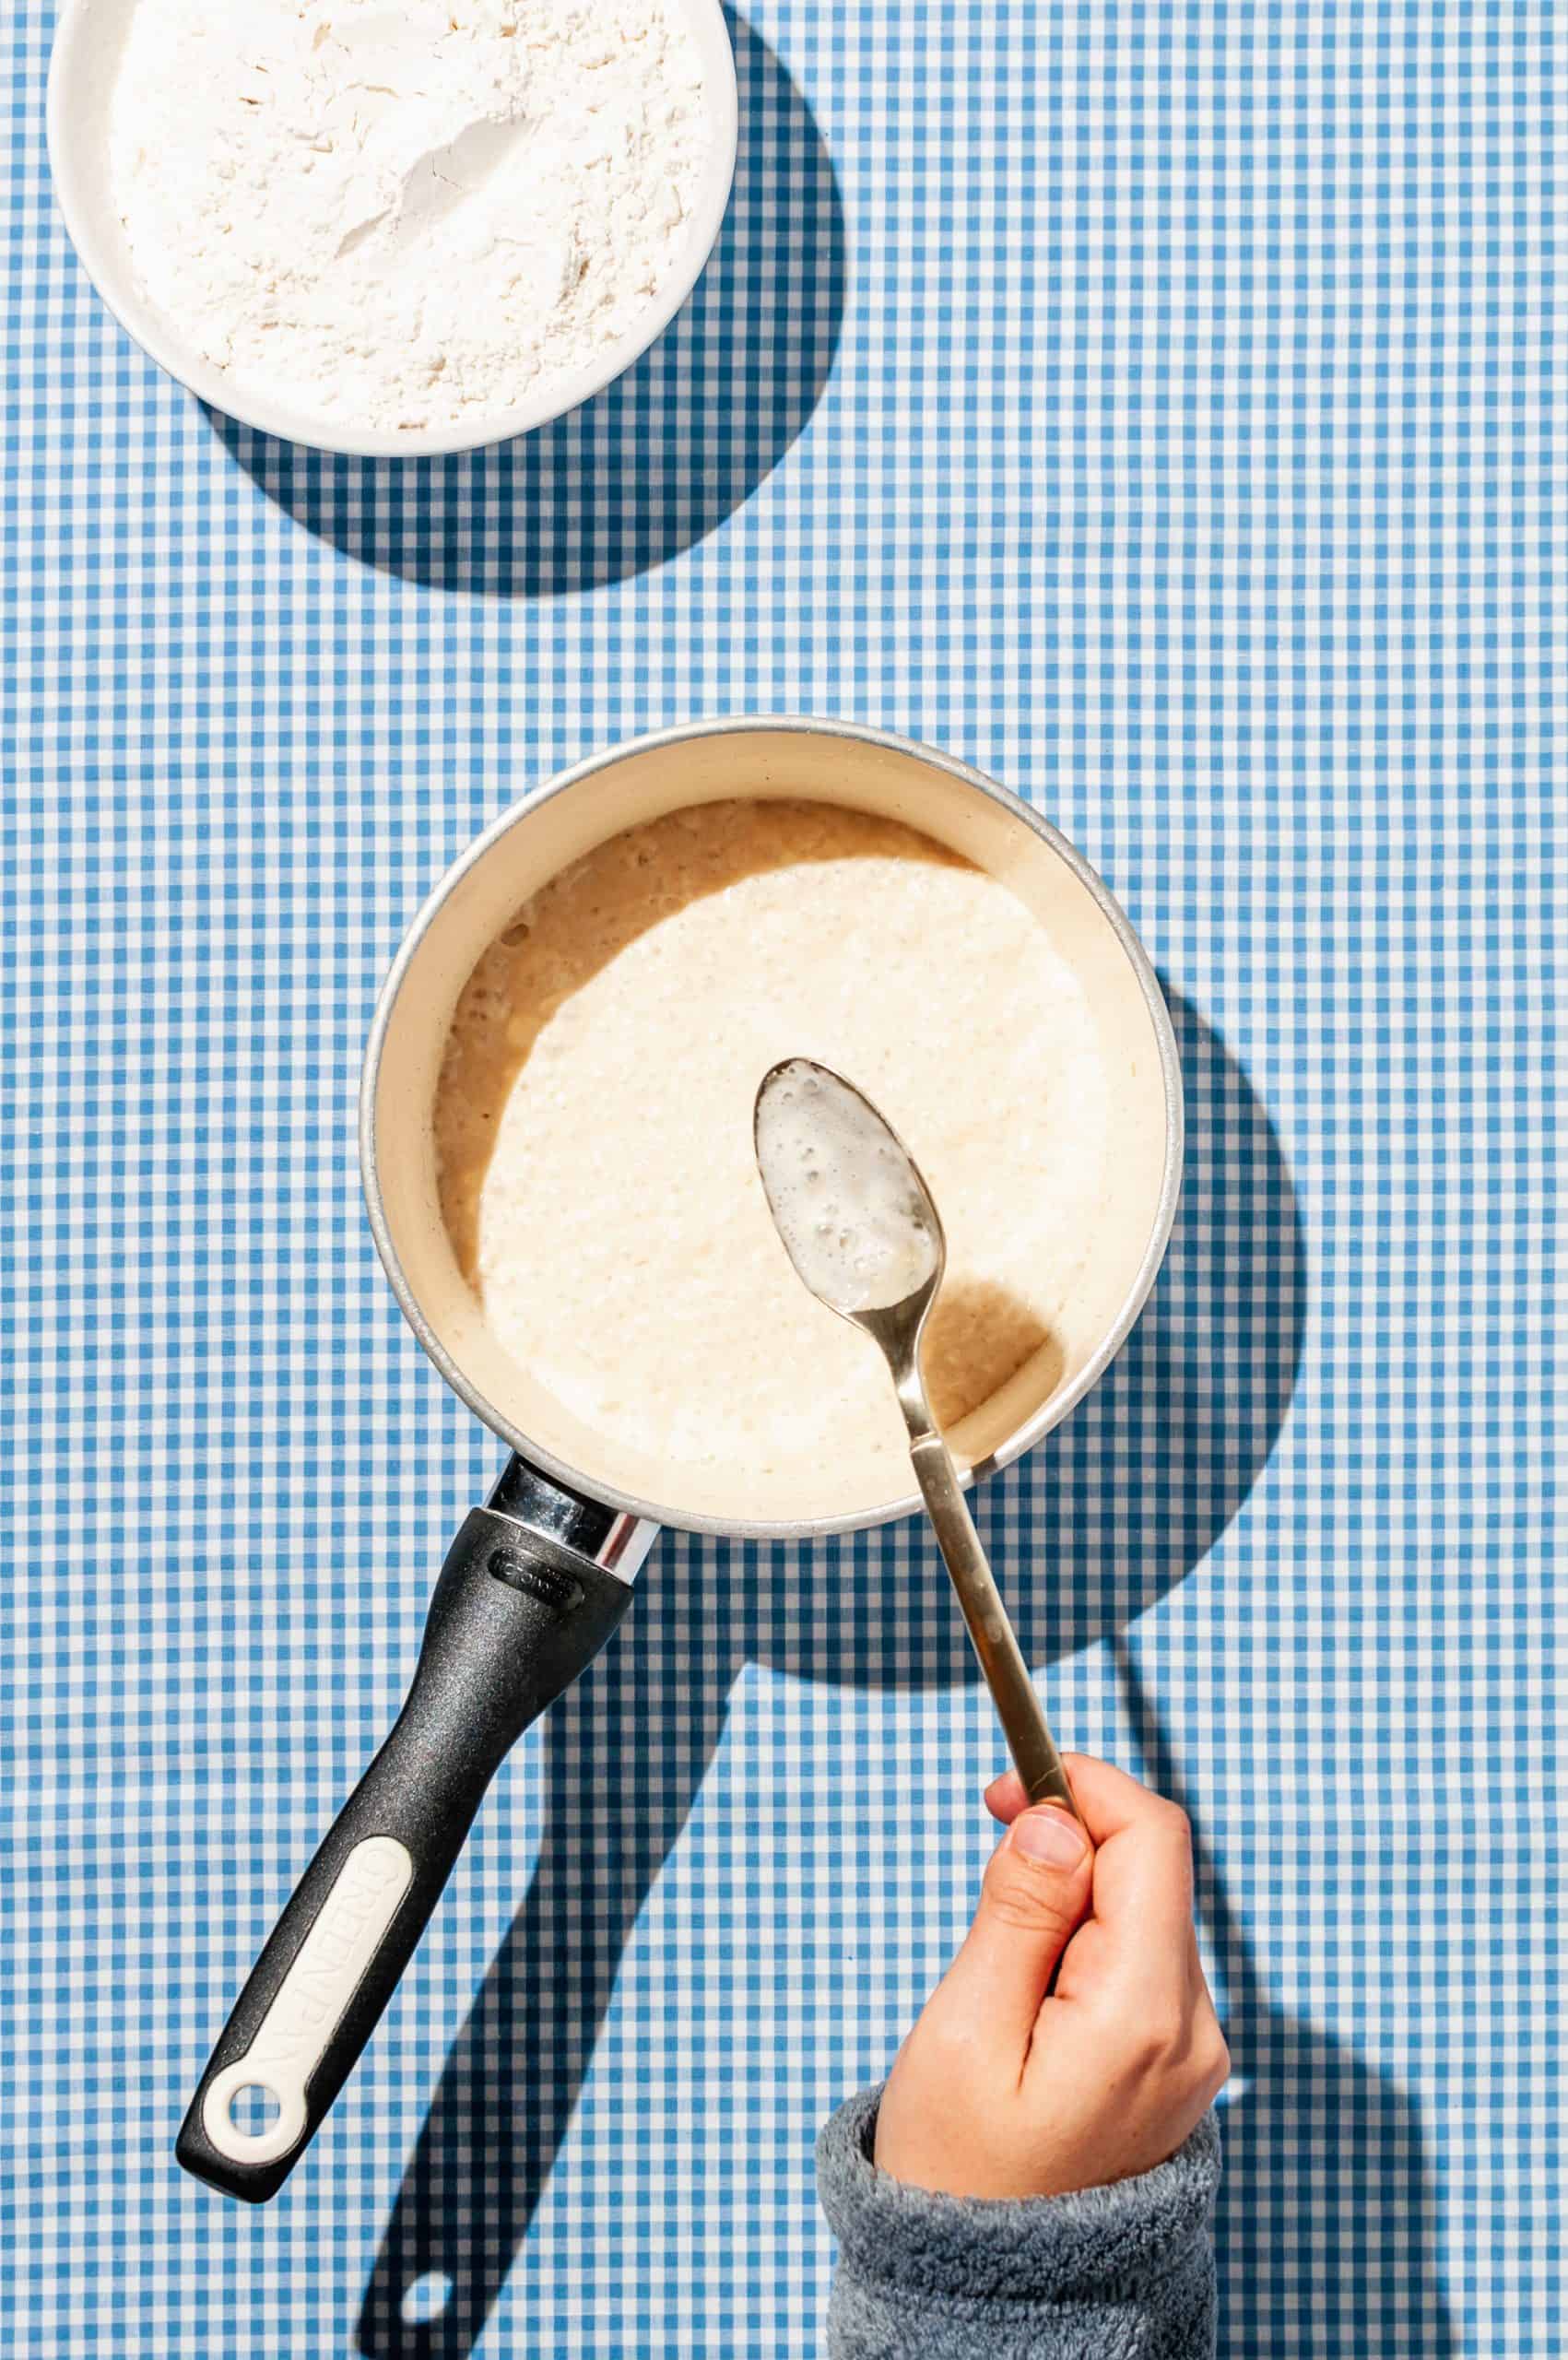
<point>1125,2272</point>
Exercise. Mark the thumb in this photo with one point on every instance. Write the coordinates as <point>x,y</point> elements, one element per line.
<point>1035,1895</point>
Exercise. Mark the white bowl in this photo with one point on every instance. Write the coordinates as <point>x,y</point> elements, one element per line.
<point>82,82</point>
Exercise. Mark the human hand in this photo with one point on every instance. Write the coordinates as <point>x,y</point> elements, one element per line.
<point>1011,2086</point>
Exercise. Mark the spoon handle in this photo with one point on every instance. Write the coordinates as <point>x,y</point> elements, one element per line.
<point>1023,1722</point>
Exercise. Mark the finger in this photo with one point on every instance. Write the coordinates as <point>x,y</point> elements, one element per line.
<point>1143,1894</point>
<point>1109,1800</point>
<point>1035,1893</point>
<point>1142,1885</point>
<point>1004,1798</point>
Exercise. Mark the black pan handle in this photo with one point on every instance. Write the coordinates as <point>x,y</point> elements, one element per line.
<point>514,1620</point>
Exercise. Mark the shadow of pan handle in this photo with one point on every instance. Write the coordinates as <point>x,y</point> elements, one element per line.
<point>617,1793</point>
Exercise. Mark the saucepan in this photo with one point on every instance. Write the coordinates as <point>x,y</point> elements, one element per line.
<point>541,1574</point>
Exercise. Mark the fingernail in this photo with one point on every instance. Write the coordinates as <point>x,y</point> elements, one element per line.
<point>1050,1835</point>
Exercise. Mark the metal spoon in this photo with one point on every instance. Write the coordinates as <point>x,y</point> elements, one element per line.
<point>857,1221</point>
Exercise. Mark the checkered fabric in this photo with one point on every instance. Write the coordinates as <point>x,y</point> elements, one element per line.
<point>1154,406</point>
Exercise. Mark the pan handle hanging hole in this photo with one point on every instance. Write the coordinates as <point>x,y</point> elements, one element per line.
<point>253,2107</point>
<point>425,2298</point>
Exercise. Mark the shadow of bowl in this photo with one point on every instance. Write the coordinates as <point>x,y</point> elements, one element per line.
<point>661,456</point>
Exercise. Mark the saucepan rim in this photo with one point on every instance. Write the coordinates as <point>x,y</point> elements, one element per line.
<point>1051,1412</point>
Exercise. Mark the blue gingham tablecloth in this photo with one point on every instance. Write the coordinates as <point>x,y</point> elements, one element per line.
<point>1156,407</point>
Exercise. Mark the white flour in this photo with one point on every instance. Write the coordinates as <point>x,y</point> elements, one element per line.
<point>392,212</point>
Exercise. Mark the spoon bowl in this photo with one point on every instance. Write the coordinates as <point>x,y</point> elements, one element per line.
<point>848,1200</point>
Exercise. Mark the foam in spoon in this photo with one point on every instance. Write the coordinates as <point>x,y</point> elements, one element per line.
<point>845,1193</point>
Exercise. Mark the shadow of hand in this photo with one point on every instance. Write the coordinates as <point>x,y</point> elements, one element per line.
<point>1365,2282</point>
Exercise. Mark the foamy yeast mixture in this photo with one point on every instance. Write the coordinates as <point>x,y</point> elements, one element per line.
<point>845,1198</point>
<point>594,1134</point>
